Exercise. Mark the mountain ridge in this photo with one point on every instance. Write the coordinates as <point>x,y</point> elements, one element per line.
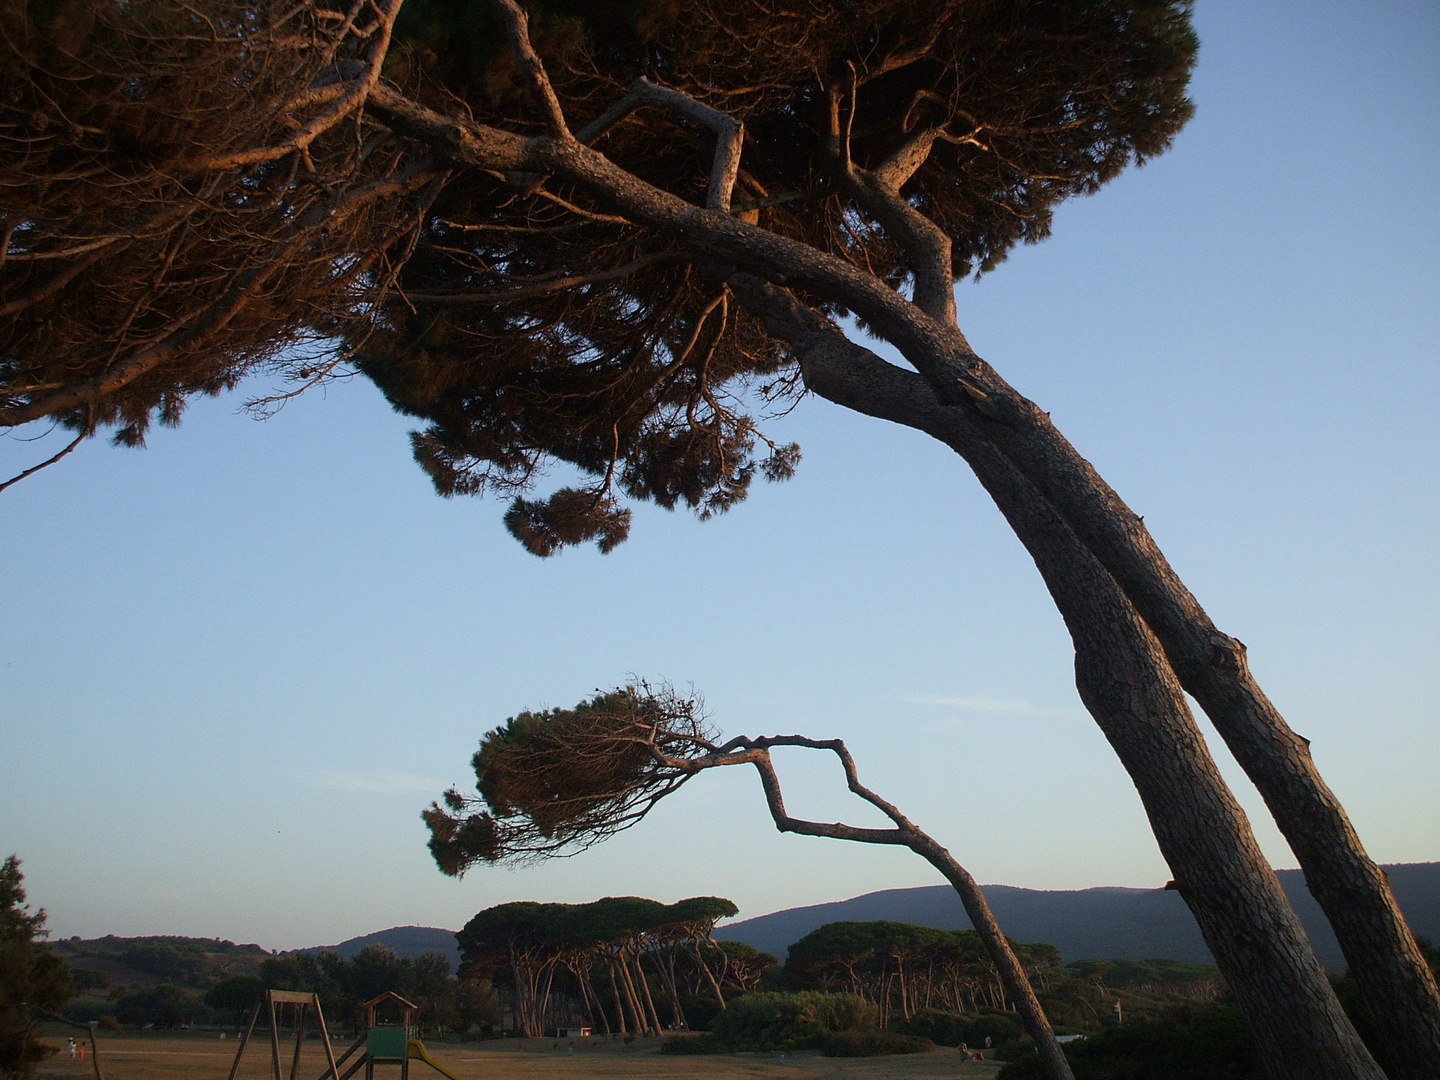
<point>1103,922</point>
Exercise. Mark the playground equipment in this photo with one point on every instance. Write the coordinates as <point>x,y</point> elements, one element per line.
<point>269,999</point>
<point>382,1043</point>
<point>389,1044</point>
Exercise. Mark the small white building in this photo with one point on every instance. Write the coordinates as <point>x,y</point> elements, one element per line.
<point>572,1032</point>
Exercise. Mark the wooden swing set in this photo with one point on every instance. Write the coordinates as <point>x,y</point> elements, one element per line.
<point>382,1044</point>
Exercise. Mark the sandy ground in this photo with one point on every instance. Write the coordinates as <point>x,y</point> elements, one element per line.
<point>198,1058</point>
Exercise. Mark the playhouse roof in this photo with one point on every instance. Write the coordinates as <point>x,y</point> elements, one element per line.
<point>390,995</point>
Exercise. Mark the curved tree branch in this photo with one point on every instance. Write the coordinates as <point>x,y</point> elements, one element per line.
<point>756,752</point>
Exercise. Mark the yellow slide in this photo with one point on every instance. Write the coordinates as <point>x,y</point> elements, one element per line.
<point>415,1051</point>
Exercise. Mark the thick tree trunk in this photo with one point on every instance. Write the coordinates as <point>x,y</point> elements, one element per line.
<point>1353,892</point>
<point>1128,686</point>
<point>1397,985</point>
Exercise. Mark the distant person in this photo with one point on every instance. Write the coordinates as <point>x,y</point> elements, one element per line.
<point>989,1042</point>
<point>70,1049</point>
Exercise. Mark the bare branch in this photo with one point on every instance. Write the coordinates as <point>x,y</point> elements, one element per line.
<point>204,325</point>
<point>517,25</point>
<point>907,159</point>
<point>353,98</point>
<point>729,133</point>
<point>569,778</point>
<point>84,434</point>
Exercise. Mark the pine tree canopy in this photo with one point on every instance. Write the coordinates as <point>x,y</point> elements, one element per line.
<point>520,318</point>
<point>540,325</point>
<point>494,936</point>
<point>31,974</point>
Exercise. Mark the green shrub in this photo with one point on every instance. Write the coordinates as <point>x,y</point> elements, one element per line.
<point>870,1042</point>
<point>85,1012</point>
<point>788,1021</point>
<point>783,1022</point>
<point>1017,1049</point>
<point>700,1010</point>
<point>952,1029</point>
<point>1188,1043</point>
<point>689,1044</point>
<point>162,1005</point>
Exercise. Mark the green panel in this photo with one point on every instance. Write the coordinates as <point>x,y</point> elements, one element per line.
<point>387,1042</point>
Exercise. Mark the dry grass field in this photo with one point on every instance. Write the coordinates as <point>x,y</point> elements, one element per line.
<point>197,1058</point>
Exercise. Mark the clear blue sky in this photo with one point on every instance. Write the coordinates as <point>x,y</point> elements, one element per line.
<point>236,665</point>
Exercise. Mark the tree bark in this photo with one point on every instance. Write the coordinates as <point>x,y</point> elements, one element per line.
<point>1351,889</point>
<point>1395,981</point>
<point>650,1009</point>
<point>709,975</point>
<point>1009,972</point>
<point>1130,689</point>
<point>615,992</point>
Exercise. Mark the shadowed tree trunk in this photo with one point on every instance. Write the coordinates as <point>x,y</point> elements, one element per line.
<point>1388,963</point>
<point>354,167</point>
<point>1130,690</point>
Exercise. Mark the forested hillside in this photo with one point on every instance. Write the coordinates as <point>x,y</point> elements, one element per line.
<point>1104,923</point>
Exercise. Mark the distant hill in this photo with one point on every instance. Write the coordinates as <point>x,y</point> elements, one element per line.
<point>143,961</point>
<point>1104,923</point>
<point>405,940</point>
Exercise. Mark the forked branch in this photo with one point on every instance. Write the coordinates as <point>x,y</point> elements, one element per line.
<point>878,193</point>
<point>517,27</point>
<point>347,98</point>
<point>571,777</point>
<point>729,133</point>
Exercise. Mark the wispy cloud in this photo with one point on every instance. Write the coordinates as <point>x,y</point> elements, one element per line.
<point>378,784</point>
<point>1007,706</point>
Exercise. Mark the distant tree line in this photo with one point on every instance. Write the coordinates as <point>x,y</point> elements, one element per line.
<point>903,969</point>
<point>622,965</point>
<point>633,966</point>
<point>344,985</point>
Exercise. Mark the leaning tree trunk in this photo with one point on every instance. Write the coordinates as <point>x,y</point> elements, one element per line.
<point>1128,686</point>
<point>709,975</point>
<point>1396,983</point>
<point>1352,890</point>
<point>1009,971</point>
<point>615,993</point>
<point>644,981</point>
